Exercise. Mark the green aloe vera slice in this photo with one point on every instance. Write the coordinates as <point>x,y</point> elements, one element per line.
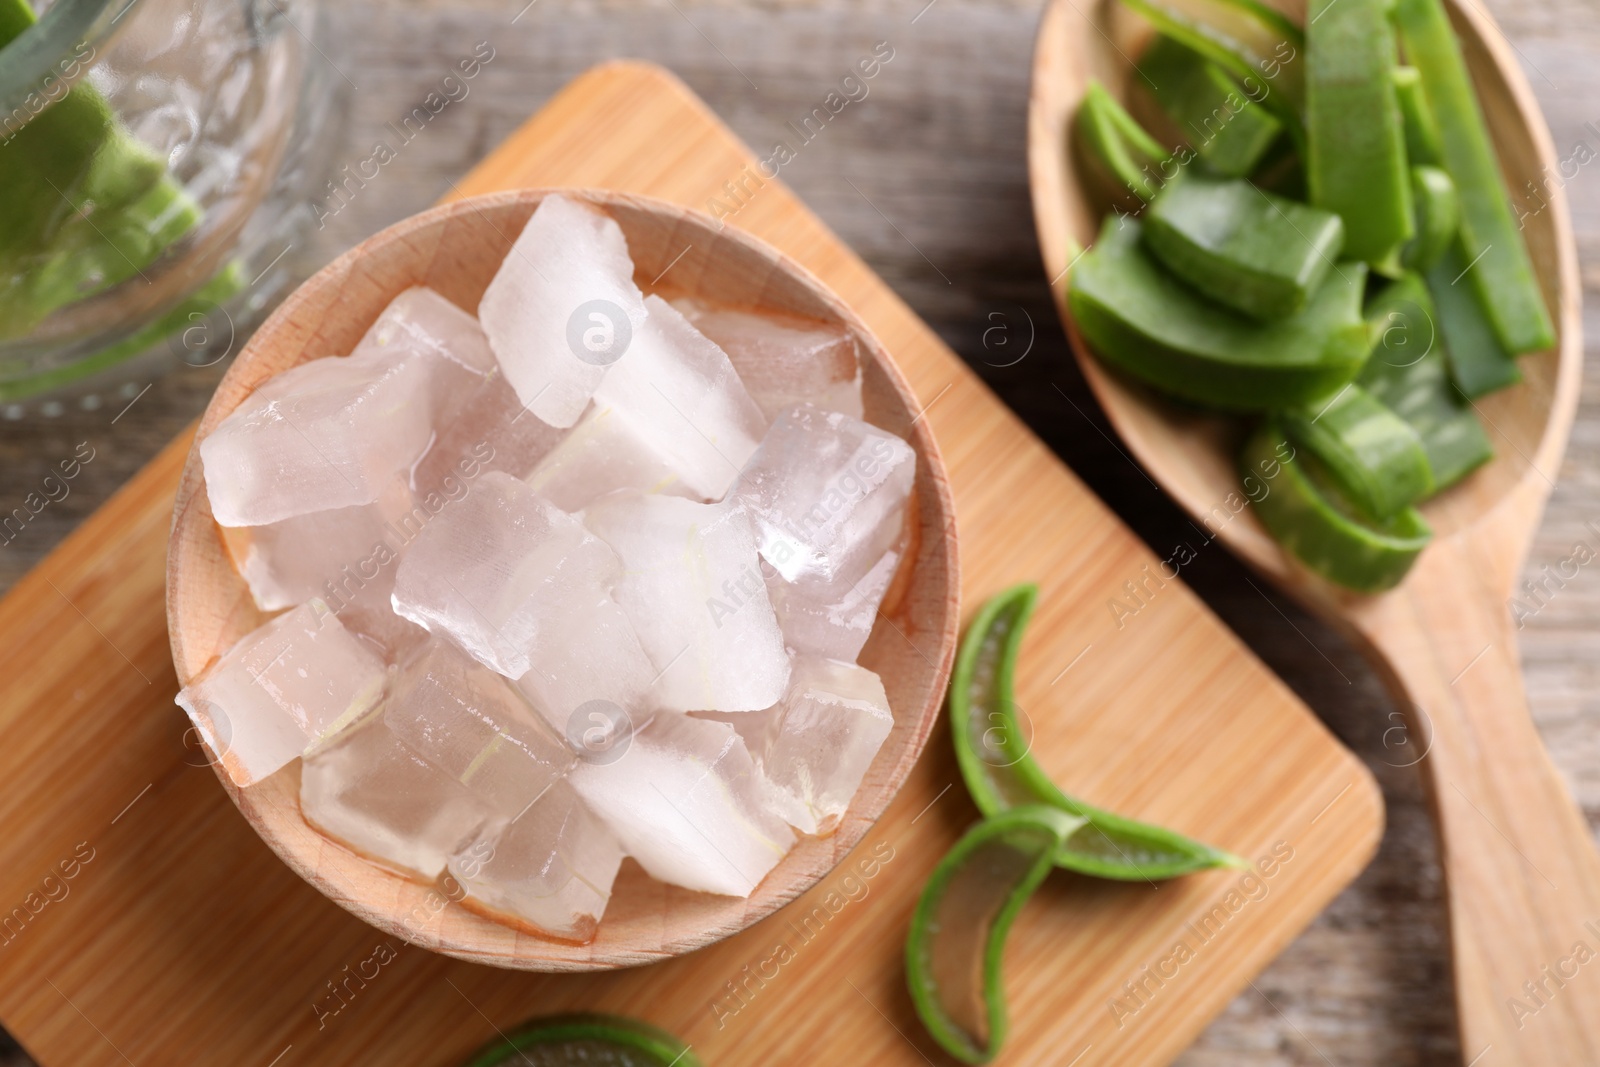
<point>585,1040</point>
<point>1001,774</point>
<point>1230,132</point>
<point>1438,215</point>
<point>1422,132</point>
<point>1479,363</point>
<point>1304,511</point>
<point>958,931</point>
<point>1501,273</point>
<point>1257,253</point>
<point>1251,41</point>
<point>1375,457</point>
<point>1356,145</point>
<point>1407,372</point>
<point>1141,319</point>
<point>1119,150</point>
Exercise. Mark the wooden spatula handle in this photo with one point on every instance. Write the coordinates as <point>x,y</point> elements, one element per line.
<point>1520,866</point>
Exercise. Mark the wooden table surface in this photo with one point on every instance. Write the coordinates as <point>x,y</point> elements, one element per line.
<point>925,177</point>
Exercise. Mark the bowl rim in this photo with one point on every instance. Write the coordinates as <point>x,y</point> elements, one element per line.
<point>192,518</point>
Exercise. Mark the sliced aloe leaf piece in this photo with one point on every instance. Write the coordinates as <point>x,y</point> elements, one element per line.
<point>585,1040</point>
<point>958,931</point>
<point>1479,363</point>
<point>1356,144</point>
<point>1376,457</point>
<point>1422,132</point>
<point>1140,318</point>
<point>1306,513</point>
<point>1261,255</point>
<point>1253,42</point>
<point>992,751</point>
<point>1407,372</point>
<point>1122,153</point>
<point>1438,215</point>
<point>1230,132</point>
<point>1501,272</point>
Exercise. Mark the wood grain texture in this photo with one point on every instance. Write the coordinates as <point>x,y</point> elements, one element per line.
<point>939,150</point>
<point>1522,873</point>
<point>1170,719</point>
<point>456,249</point>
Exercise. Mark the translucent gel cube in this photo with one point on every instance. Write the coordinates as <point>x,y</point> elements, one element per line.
<point>827,494</point>
<point>603,454</point>
<point>331,433</point>
<point>692,588</point>
<point>369,612</point>
<point>832,619</point>
<point>474,725</point>
<point>687,803</point>
<point>783,361</point>
<point>282,689</point>
<point>370,792</point>
<point>497,568</point>
<point>681,395</point>
<point>291,561</point>
<point>562,308</point>
<point>420,316</point>
<point>815,746</point>
<point>490,430</point>
<point>551,869</point>
<point>588,652</point>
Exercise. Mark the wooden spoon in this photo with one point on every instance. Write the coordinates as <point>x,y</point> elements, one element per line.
<point>456,249</point>
<point>1521,869</point>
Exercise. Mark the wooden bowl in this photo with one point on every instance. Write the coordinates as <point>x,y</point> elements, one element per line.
<point>456,249</point>
<point>1520,864</point>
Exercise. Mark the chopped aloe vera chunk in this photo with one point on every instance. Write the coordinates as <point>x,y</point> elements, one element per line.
<point>1230,132</point>
<point>1142,320</point>
<point>189,314</point>
<point>958,931</point>
<point>86,206</point>
<point>1122,155</point>
<point>1249,250</point>
<point>1356,149</point>
<point>585,1040</point>
<point>1373,455</point>
<point>1438,216</point>
<point>1407,371</point>
<point>1478,362</point>
<point>1248,39</point>
<point>1000,772</point>
<point>15,17</point>
<point>1305,512</point>
<point>1422,132</point>
<point>1501,274</point>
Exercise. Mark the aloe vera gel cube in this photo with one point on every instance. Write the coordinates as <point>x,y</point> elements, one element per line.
<point>1247,249</point>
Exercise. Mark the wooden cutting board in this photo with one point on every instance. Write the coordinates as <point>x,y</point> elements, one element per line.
<point>142,922</point>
